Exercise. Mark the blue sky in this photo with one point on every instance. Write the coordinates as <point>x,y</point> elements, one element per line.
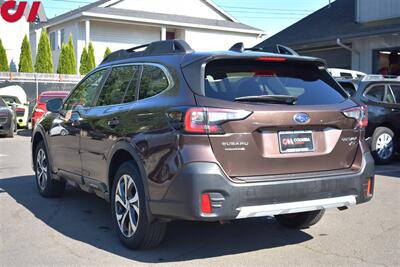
<point>271,16</point>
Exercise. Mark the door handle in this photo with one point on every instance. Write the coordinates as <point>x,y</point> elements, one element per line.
<point>113,123</point>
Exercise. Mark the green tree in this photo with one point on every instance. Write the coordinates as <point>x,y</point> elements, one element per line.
<point>3,58</point>
<point>25,58</point>
<point>107,52</point>
<point>84,60</point>
<point>44,60</point>
<point>62,61</point>
<point>71,56</point>
<point>91,60</point>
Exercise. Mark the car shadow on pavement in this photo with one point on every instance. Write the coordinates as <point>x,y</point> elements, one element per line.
<point>25,133</point>
<point>86,218</point>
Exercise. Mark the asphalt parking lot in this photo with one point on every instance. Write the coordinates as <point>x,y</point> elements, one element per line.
<point>76,229</point>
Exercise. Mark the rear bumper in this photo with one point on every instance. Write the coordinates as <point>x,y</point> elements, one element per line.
<point>242,200</point>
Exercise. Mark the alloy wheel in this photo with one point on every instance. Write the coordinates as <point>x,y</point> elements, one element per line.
<point>127,205</point>
<point>41,169</point>
<point>384,146</point>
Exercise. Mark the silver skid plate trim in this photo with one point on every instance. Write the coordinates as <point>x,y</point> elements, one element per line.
<point>294,207</point>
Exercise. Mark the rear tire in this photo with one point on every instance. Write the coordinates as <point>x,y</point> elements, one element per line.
<point>300,220</point>
<point>47,186</point>
<point>129,210</point>
<point>383,145</point>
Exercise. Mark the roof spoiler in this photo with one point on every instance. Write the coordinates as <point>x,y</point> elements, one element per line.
<point>151,49</point>
<point>280,49</point>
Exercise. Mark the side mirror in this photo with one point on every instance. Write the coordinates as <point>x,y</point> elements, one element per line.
<point>54,105</point>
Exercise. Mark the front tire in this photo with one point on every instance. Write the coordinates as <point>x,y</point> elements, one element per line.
<point>47,186</point>
<point>300,220</point>
<point>383,145</point>
<point>129,210</point>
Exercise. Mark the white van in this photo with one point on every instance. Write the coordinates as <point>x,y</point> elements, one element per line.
<point>346,74</point>
<point>16,94</point>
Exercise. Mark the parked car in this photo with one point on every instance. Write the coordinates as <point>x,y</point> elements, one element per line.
<point>40,108</point>
<point>7,120</point>
<point>15,94</point>
<point>168,133</point>
<point>346,74</point>
<point>382,97</point>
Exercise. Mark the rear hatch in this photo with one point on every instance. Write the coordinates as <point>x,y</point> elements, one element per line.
<point>290,117</point>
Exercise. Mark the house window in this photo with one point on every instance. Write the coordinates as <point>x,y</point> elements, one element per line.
<point>53,41</point>
<point>170,35</point>
<point>62,37</point>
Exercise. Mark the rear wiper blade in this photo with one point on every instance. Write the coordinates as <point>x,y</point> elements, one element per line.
<point>274,99</point>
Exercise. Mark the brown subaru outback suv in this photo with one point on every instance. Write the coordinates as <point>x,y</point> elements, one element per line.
<point>165,133</point>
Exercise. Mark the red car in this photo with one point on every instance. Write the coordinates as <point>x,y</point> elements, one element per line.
<point>40,108</point>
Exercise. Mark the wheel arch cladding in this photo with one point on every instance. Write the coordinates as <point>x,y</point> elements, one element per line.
<point>121,153</point>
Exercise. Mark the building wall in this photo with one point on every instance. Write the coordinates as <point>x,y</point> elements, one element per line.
<point>11,35</point>
<point>203,40</point>
<point>193,8</point>
<point>370,10</point>
<point>117,36</point>
<point>365,60</point>
<point>335,57</point>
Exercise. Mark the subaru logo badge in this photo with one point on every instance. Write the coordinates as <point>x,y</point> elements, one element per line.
<point>301,118</point>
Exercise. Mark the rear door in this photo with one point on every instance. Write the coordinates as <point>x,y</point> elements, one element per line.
<point>105,123</point>
<point>310,134</point>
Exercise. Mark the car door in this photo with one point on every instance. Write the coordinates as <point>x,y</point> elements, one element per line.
<point>107,122</point>
<point>395,107</point>
<point>64,134</point>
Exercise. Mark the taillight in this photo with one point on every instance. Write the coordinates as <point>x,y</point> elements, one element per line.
<point>208,120</point>
<point>360,114</point>
<point>276,59</point>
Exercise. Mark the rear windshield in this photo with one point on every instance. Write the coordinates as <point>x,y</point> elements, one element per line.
<point>229,79</point>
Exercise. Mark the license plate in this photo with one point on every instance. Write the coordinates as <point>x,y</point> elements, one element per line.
<point>296,141</point>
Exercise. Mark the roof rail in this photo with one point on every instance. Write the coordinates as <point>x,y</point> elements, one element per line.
<point>379,77</point>
<point>152,49</point>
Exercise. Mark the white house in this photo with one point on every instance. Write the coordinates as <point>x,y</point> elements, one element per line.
<point>12,34</point>
<point>121,24</point>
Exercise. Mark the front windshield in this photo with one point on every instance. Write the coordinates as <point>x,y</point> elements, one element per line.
<point>10,99</point>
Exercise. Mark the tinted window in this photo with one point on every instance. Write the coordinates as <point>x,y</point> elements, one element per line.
<point>346,75</point>
<point>153,82</point>
<point>131,93</point>
<point>230,79</point>
<point>376,93</point>
<point>348,87</point>
<point>10,99</point>
<point>84,94</point>
<point>396,92</point>
<point>2,103</point>
<point>114,88</point>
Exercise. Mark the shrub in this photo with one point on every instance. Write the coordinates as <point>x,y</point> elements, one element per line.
<point>107,52</point>
<point>25,58</point>
<point>84,60</point>
<point>44,60</point>
<point>3,58</point>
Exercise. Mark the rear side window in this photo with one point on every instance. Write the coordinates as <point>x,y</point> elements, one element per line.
<point>376,93</point>
<point>116,84</point>
<point>232,78</point>
<point>396,92</point>
<point>153,81</point>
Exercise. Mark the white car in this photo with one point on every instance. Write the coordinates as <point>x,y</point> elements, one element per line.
<point>346,74</point>
<point>15,94</point>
